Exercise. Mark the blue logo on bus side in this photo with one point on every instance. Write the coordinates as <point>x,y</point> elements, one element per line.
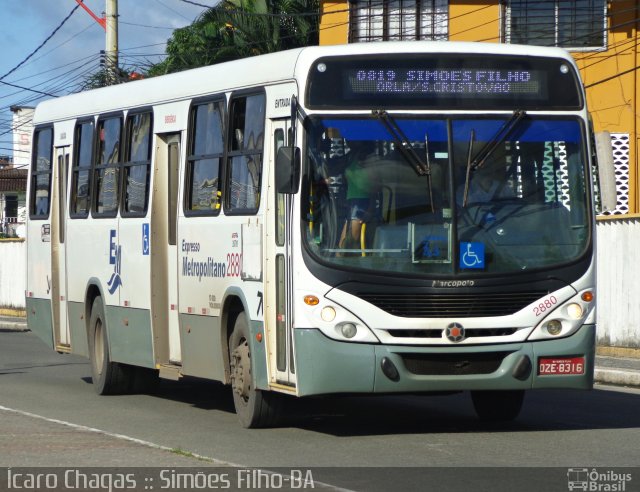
<point>145,239</point>
<point>115,259</point>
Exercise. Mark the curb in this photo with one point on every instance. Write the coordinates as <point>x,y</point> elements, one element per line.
<point>12,322</point>
<point>617,377</point>
<point>13,326</point>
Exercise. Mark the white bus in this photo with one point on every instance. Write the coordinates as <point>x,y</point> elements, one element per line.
<point>369,218</point>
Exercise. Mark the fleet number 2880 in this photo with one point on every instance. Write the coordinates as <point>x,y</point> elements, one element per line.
<point>234,264</point>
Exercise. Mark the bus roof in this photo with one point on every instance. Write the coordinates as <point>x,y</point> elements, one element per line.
<point>250,72</point>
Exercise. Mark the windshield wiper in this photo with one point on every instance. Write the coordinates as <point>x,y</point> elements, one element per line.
<point>487,149</point>
<point>500,136</point>
<point>422,168</point>
<point>468,173</point>
<point>403,143</point>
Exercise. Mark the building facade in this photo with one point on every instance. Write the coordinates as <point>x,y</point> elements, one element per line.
<point>602,37</point>
<point>13,175</point>
<point>13,186</point>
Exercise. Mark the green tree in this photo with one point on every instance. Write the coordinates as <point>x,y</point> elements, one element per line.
<point>103,78</point>
<point>229,31</point>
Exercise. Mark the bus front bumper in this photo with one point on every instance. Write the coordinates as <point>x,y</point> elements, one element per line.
<point>326,366</point>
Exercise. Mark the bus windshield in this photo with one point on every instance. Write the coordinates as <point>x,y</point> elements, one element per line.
<point>457,195</point>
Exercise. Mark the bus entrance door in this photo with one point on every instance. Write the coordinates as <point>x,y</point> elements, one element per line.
<point>62,339</point>
<point>279,285</point>
<point>164,252</point>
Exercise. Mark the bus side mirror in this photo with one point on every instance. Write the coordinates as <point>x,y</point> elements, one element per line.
<point>288,170</point>
<point>606,171</point>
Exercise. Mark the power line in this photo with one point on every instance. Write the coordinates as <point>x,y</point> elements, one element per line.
<point>172,10</point>
<point>41,44</point>
<point>60,45</point>
<point>15,150</point>
<point>144,25</point>
<point>612,77</point>
<point>197,4</point>
<point>40,73</point>
<point>27,89</point>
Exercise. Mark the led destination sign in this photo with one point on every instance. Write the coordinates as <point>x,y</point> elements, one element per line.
<point>447,81</point>
<point>471,82</point>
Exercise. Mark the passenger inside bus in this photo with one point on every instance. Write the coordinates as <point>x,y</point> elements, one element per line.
<point>363,186</point>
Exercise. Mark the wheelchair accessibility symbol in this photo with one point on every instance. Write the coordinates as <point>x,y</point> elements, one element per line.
<point>145,239</point>
<point>471,255</point>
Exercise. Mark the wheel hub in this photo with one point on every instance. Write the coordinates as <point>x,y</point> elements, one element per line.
<point>240,370</point>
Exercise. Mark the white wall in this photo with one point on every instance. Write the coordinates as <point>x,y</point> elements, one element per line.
<point>618,294</point>
<point>13,255</point>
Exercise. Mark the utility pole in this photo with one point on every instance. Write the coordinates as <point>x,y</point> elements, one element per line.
<point>111,52</point>
<point>109,23</point>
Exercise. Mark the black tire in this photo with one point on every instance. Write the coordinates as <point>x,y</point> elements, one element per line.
<point>109,378</point>
<point>255,408</point>
<point>497,406</point>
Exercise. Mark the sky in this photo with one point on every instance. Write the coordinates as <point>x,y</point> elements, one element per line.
<point>74,50</point>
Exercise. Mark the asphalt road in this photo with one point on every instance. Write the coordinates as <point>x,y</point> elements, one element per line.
<point>560,429</point>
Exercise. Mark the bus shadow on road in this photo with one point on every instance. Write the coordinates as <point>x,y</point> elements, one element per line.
<point>544,410</point>
<point>344,416</point>
<point>200,393</point>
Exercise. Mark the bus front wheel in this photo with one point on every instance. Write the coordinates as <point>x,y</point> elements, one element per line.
<point>109,378</point>
<point>497,406</point>
<point>255,408</point>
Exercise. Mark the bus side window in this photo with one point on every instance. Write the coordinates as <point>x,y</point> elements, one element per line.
<point>81,172</point>
<point>41,174</point>
<point>107,166</point>
<point>244,166</point>
<point>136,167</point>
<point>206,147</point>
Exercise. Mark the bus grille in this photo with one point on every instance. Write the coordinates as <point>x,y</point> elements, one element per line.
<point>453,364</point>
<point>452,305</point>
<point>437,333</point>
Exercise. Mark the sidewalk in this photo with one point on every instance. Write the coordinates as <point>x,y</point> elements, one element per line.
<point>610,369</point>
<point>11,323</point>
<point>621,371</point>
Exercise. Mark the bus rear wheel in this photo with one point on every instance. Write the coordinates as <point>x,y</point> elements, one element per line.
<point>255,408</point>
<point>497,406</point>
<point>109,378</point>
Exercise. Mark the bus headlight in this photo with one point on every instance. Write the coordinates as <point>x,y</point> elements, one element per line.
<point>574,310</point>
<point>553,327</point>
<point>566,319</point>
<point>336,322</point>
<point>348,330</point>
<point>328,314</point>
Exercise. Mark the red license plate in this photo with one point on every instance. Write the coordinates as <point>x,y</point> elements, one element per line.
<point>560,365</point>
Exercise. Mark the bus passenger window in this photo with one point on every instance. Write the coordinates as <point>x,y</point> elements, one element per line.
<point>203,191</point>
<point>41,174</point>
<point>107,168</point>
<point>81,172</point>
<point>245,158</point>
<point>137,164</point>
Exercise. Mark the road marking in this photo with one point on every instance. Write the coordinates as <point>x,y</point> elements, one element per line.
<point>149,444</point>
<point>113,434</point>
